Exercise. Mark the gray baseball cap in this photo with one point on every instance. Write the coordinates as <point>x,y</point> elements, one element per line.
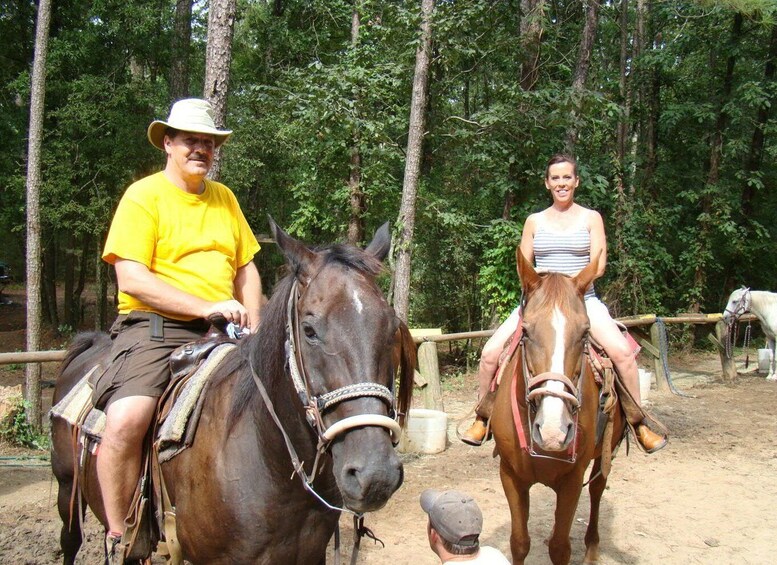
<point>454,514</point>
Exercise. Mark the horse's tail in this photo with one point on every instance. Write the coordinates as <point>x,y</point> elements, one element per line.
<point>81,343</point>
<point>407,365</point>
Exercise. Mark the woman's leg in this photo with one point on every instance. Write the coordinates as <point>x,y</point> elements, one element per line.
<point>489,357</point>
<point>605,331</point>
<point>489,362</point>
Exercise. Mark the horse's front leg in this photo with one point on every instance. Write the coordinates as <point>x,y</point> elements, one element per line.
<point>517,494</point>
<point>595,490</point>
<point>772,376</point>
<point>567,495</point>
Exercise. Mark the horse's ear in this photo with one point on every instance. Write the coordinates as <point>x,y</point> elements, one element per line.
<point>584,278</point>
<point>529,277</point>
<point>381,242</point>
<point>297,254</point>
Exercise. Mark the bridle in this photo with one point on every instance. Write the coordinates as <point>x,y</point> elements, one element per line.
<point>572,395</point>
<point>316,406</point>
<point>741,306</point>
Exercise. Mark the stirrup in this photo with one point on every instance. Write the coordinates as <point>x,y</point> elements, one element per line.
<point>114,550</point>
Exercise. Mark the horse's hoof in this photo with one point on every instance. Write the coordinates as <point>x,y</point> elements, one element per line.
<point>772,378</point>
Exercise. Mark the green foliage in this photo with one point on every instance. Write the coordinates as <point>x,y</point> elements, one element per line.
<point>16,430</point>
<point>304,96</point>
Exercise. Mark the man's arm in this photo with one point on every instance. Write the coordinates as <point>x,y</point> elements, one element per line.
<point>138,281</point>
<point>248,290</point>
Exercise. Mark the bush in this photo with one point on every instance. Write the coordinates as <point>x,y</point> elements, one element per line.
<point>16,430</point>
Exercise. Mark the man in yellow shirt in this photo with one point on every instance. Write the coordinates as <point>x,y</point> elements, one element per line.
<point>183,252</point>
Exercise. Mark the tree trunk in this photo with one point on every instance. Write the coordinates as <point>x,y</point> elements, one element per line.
<point>755,154</point>
<point>531,36</point>
<point>37,100</point>
<point>101,284</point>
<point>713,170</point>
<point>415,139</point>
<point>69,264</point>
<point>221,28</point>
<point>623,123</point>
<point>530,30</point>
<point>182,35</point>
<point>49,283</point>
<point>651,101</point>
<point>356,194</point>
<point>581,69</point>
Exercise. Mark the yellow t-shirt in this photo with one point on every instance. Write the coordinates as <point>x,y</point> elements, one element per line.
<point>194,242</point>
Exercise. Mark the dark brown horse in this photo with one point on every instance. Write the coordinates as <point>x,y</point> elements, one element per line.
<point>323,354</point>
<point>544,419</point>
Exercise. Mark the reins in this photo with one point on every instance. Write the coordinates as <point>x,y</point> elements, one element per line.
<point>315,407</point>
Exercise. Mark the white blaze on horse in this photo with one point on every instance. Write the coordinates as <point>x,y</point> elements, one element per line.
<point>763,305</point>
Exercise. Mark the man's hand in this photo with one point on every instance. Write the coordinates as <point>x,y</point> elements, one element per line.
<point>232,311</point>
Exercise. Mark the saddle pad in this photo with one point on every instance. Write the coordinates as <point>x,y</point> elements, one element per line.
<point>172,433</point>
<point>78,403</point>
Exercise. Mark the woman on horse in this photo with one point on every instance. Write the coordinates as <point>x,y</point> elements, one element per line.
<point>563,238</point>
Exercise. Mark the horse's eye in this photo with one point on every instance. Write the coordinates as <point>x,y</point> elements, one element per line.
<point>310,333</point>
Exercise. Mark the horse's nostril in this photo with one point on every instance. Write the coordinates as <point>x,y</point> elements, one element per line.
<point>570,433</point>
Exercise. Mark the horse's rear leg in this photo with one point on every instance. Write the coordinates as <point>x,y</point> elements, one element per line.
<point>595,490</point>
<point>517,495</point>
<point>70,536</point>
<point>63,467</point>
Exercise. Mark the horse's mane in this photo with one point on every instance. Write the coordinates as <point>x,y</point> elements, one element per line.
<point>265,350</point>
<point>555,289</point>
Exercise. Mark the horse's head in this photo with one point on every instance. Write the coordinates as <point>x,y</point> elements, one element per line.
<point>738,304</point>
<point>555,333</point>
<point>342,333</point>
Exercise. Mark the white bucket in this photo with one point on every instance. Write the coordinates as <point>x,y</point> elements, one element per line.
<point>645,380</point>
<point>764,360</point>
<point>426,432</point>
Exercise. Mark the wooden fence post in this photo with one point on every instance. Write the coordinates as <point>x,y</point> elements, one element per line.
<point>727,363</point>
<point>662,383</point>
<point>429,368</point>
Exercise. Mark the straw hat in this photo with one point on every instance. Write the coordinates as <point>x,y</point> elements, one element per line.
<point>190,114</point>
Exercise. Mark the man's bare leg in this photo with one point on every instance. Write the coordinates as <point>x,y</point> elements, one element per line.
<point>120,455</point>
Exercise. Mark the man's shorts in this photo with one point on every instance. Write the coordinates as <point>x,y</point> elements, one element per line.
<point>139,360</point>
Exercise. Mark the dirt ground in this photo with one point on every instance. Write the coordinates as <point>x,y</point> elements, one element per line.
<point>709,497</point>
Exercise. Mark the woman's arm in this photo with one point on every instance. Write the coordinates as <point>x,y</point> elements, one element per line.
<point>598,241</point>
<point>527,238</point>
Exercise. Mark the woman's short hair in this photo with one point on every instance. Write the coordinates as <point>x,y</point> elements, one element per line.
<point>561,158</point>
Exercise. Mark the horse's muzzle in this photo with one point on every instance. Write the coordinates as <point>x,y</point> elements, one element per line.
<point>366,467</point>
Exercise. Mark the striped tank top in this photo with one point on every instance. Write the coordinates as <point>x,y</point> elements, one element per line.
<point>566,252</point>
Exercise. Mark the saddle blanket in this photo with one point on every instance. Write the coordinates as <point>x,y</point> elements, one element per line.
<point>175,432</point>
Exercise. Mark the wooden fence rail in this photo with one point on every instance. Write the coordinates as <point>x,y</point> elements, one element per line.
<point>428,375</point>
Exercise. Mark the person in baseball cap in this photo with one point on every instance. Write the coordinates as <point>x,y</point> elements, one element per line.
<point>454,527</point>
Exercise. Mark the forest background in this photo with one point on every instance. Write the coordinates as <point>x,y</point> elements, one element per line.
<point>668,105</point>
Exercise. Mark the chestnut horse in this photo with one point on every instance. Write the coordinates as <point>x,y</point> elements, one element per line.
<point>314,385</point>
<point>545,412</point>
